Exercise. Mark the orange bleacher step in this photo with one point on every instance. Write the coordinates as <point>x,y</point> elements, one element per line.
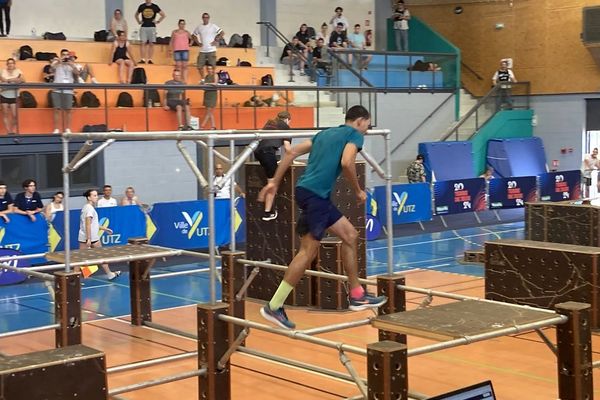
<point>100,52</point>
<point>39,120</point>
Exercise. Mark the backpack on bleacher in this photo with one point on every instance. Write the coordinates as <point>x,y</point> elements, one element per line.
<point>310,31</point>
<point>101,36</point>
<point>266,80</point>
<point>246,41</point>
<point>124,100</point>
<point>224,78</point>
<point>163,40</point>
<point>27,100</point>
<point>151,96</point>
<point>139,76</point>
<point>25,52</point>
<point>95,128</point>
<point>89,99</point>
<point>235,41</point>
<point>54,36</point>
<point>44,56</point>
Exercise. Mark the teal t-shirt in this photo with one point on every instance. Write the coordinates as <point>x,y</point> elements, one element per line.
<point>324,162</point>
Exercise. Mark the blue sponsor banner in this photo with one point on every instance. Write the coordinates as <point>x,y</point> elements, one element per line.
<point>25,235</point>
<point>9,277</point>
<point>240,220</point>
<point>184,225</point>
<point>559,186</point>
<point>459,196</point>
<point>125,222</point>
<point>410,203</point>
<point>512,192</point>
<point>373,227</point>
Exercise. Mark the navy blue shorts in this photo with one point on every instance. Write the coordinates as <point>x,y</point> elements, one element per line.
<point>316,213</point>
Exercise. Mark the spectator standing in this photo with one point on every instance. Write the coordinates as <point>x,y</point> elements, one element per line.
<point>107,200</point>
<point>207,36</point>
<point>130,198</point>
<point>401,16</point>
<point>5,9</point>
<point>225,191</point>
<point>589,164</point>
<point>123,58</point>
<point>210,97</point>
<point>266,154</point>
<point>338,18</point>
<point>148,12</point>
<point>6,202</point>
<point>118,23</point>
<point>54,206</point>
<point>89,229</point>
<point>8,97</point>
<point>504,77</point>
<point>180,47</point>
<point>62,99</point>
<point>174,99</point>
<point>28,202</point>
<point>416,171</point>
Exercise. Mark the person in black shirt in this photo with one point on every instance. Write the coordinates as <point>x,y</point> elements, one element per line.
<point>338,38</point>
<point>303,35</point>
<point>29,202</point>
<point>265,153</point>
<point>288,56</point>
<point>320,59</point>
<point>6,202</point>
<point>148,12</point>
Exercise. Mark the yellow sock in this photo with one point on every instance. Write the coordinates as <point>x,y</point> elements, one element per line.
<point>283,291</point>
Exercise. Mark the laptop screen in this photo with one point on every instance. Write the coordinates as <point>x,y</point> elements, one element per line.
<point>480,391</point>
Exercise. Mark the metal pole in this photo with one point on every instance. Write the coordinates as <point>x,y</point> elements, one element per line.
<point>156,382</point>
<point>82,151</point>
<point>66,203</point>
<point>234,346</point>
<point>30,330</point>
<point>294,335</point>
<point>179,273</point>
<point>369,158</point>
<point>336,327</point>
<point>548,342</point>
<point>247,283</point>
<point>149,363</point>
<point>163,328</point>
<point>309,272</point>
<point>388,201</point>
<point>357,379</point>
<point>26,271</point>
<point>239,161</point>
<point>232,197</point>
<point>91,155</point>
<point>559,319</point>
<point>21,257</point>
<point>211,221</point>
<point>217,153</point>
<point>190,162</point>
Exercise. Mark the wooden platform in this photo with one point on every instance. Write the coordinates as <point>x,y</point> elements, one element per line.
<point>458,319</point>
<point>135,251</point>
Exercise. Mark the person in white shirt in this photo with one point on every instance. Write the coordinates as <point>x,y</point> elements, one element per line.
<point>339,18</point>
<point>54,206</point>
<point>130,198</point>
<point>589,164</point>
<point>107,200</point>
<point>225,191</point>
<point>65,71</point>
<point>207,36</point>
<point>89,229</point>
<point>401,16</point>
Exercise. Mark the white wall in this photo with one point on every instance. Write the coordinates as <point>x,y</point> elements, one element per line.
<point>292,13</point>
<point>227,14</point>
<point>77,19</point>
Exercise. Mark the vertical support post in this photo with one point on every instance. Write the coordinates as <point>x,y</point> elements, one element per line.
<point>66,204</point>
<point>211,220</point>
<point>232,243</point>
<point>387,371</point>
<point>67,308</point>
<point>388,202</point>
<point>139,287</point>
<point>388,286</point>
<point>233,280</point>
<point>213,342</point>
<point>574,341</point>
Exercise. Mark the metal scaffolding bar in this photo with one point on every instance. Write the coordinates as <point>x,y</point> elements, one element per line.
<point>369,159</point>
<point>30,330</point>
<point>91,155</point>
<point>559,319</point>
<point>179,273</point>
<point>430,292</point>
<point>336,327</point>
<point>548,342</point>
<point>22,257</point>
<point>234,346</point>
<point>388,198</point>
<point>168,329</point>
<point>218,154</point>
<point>247,283</point>
<point>66,203</point>
<point>82,151</point>
<point>211,222</point>
<point>27,271</point>
<point>149,363</point>
<point>357,379</point>
<point>294,335</point>
<point>192,164</point>
<point>156,382</point>
<point>308,272</point>
<point>239,161</point>
<point>232,243</point>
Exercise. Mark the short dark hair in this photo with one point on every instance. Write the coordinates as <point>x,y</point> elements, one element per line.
<point>205,15</point>
<point>356,112</point>
<point>340,24</point>
<point>355,25</point>
<point>64,50</point>
<point>88,193</point>
<point>339,9</point>
<point>57,193</point>
<point>119,33</point>
<point>2,183</point>
<point>106,186</point>
<point>180,21</point>
<point>27,182</point>
<point>10,59</point>
<point>420,157</point>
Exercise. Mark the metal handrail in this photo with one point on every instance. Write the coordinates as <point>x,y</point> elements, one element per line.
<point>281,37</point>
<point>349,67</point>
<point>471,70</point>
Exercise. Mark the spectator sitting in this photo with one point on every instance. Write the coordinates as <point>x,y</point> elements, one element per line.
<point>85,70</point>
<point>297,57</point>
<point>416,171</point>
<point>54,206</point>
<point>130,198</point>
<point>338,18</point>
<point>488,174</point>
<point>225,191</point>
<point>6,202</point>
<point>65,71</point>
<point>338,39</point>
<point>256,101</point>
<point>122,57</point>
<point>303,35</point>
<point>323,33</point>
<point>8,98</point>
<point>48,71</point>
<point>174,99</point>
<point>210,97</point>
<point>118,23</point>
<point>180,47</point>
<point>357,41</point>
<point>321,59</point>
<point>107,200</point>
<point>28,202</point>
<point>278,99</point>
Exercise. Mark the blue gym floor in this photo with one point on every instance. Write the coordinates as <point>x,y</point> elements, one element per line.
<point>29,304</point>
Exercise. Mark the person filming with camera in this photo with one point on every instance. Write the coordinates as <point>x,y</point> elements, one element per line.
<point>65,71</point>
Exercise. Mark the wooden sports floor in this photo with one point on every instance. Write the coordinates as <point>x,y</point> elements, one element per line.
<point>520,366</point>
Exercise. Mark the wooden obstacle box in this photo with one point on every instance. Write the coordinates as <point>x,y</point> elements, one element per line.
<point>474,256</point>
<point>331,294</point>
<point>542,274</point>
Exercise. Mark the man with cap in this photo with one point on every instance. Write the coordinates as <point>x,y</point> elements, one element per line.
<point>266,154</point>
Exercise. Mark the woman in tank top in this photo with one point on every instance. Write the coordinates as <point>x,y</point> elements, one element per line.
<point>122,57</point>
<point>180,46</point>
<point>54,206</point>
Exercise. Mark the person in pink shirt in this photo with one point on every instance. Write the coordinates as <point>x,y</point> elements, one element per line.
<point>180,46</point>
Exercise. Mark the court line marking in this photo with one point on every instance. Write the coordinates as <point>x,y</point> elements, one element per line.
<point>8,300</point>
